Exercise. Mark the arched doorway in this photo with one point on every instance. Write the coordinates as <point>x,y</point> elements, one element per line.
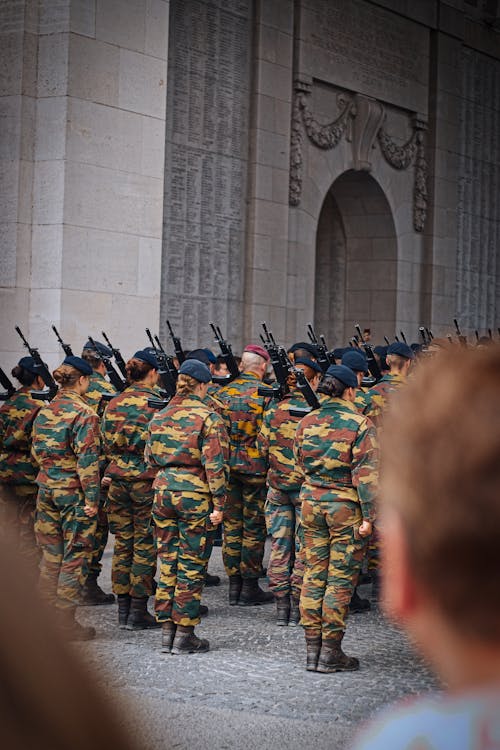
<point>356,261</point>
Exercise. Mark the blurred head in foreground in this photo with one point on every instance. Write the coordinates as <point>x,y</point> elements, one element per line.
<point>440,513</point>
<point>48,699</point>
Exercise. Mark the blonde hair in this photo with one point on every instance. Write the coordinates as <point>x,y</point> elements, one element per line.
<point>186,385</point>
<point>440,472</point>
<point>66,375</point>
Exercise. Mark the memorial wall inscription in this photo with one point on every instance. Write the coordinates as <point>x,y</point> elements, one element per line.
<point>206,167</point>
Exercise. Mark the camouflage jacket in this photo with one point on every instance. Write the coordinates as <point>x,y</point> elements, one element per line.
<point>188,443</point>
<point>275,441</point>
<point>361,400</point>
<point>378,395</point>
<point>246,411</point>
<point>98,387</point>
<point>66,445</point>
<point>17,415</point>
<point>336,449</point>
<point>124,430</point>
<point>215,403</point>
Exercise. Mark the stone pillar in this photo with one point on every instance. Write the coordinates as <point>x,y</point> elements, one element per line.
<point>99,129</point>
<point>272,287</point>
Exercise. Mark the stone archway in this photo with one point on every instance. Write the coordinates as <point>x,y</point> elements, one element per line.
<point>356,260</point>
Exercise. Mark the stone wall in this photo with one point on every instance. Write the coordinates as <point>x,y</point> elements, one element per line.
<point>206,162</point>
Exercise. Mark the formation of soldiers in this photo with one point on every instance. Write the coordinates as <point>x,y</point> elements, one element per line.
<point>161,450</point>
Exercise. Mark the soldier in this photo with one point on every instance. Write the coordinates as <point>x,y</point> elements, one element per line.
<point>188,443</point>
<point>18,488</point>
<point>130,491</point>
<point>399,358</point>
<point>98,387</point>
<point>244,519</point>
<point>275,441</point>
<point>66,449</point>
<point>335,449</point>
<point>356,361</point>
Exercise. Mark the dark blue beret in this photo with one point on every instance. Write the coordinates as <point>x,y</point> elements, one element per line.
<point>28,363</point>
<point>79,364</point>
<point>148,356</point>
<point>211,356</point>
<point>309,363</point>
<point>195,369</point>
<point>356,360</point>
<point>338,353</point>
<point>400,348</point>
<point>344,374</point>
<point>380,350</point>
<point>200,355</point>
<point>101,348</point>
<point>306,346</point>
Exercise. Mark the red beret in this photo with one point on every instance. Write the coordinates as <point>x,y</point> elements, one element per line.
<point>256,349</point>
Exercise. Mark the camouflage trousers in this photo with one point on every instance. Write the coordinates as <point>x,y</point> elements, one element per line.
<point>17,519</point>
<point>129,506</point>
<point>244,526</point>
<point>333,558</point>
<point>285,569</point>
<point>66,536</point>
<point>184,537</point>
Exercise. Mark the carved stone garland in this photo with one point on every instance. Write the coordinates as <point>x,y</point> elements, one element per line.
<point>362,131</point>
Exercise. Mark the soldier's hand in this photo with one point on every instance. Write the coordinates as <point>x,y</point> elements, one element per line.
<point>106,481</point>
<point>90,510</point>
<point>365,528</point>
<point>216,517</point>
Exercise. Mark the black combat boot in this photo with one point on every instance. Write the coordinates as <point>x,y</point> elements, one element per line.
<point>251,593</point>
<point>123,610</point>
<point>294,618</point>
<point>167,636</point>
<point>186,642</point>
<point>313,647</point>
<point>333,659</point>
<point>235,584</point>
<point>357,604</point>
<point>93,595</point>
<point>282,610</point>
<point>211,580</point>
<point>203,610</point>
<point>72,629</point>
<point>139,617</point>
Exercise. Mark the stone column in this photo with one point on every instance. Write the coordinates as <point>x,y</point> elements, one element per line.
<point>99,130</point>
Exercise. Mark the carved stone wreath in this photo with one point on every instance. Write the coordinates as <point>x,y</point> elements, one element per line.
<point>361,121</point>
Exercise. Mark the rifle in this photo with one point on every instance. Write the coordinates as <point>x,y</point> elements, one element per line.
<point>370,356</point>
<point>7,385</point>
<point>387,341</point>
<point>425,339</point>
<point>477,336</point>
<point>401,333</point>
<point>227,356</point>
<point>461,338</point>
<point>115,380</point>
<point>430,335</point>
<point>279,362</point>
<point>117,355</point>
<point>179,351</point>
<point>65,347</point>
<point>42,371</point>
<point>324,357</point>
<point>166,368</point>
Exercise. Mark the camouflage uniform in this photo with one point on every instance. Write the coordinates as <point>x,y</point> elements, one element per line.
<point>244,519</point>
<point>98,387</point>
<point>18,488</point>
<point>377,396</point>
<point>130,495</point>
<point>376,402</point>
<point>66,448</point>
<point>335,448</point>
<point>188,443</point>
<point>285,569</point>
<point>361,401</point>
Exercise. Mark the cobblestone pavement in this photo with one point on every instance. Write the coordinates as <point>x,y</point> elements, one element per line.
<point>251,690</point>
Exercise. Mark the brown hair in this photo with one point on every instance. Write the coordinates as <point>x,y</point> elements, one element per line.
<point>137,370</point>
<point>66,375</point>
<point>24,376</point>
<point>440,471</point>
<point>395,361</point>
<point>92,358</point>
<point>186,385</point>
